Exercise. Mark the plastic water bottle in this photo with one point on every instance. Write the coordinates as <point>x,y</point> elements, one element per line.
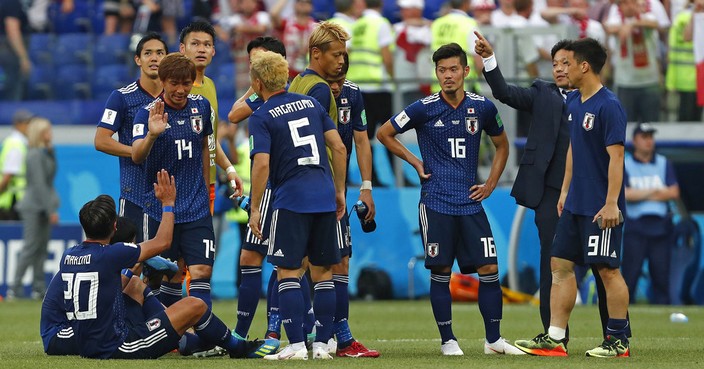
<point>362,210</point>
<point>243,203</point>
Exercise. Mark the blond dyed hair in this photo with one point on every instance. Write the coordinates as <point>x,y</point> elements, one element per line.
<point>35,131</point>
<point>270,68</point>
<point>325,33</point>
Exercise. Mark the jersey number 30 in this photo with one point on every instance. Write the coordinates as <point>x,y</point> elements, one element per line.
<point>73,287</point>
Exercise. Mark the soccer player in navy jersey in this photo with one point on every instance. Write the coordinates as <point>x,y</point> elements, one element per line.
<point>172,133</point>
<point>288,136</point>
<point>590,226</point>
<point>352,126</point>
<point>453,223</point>
<point>254,249</point>
<point>118,116</point>
<point>87,288</point>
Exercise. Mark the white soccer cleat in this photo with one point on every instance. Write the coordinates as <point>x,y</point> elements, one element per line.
<point>501,347</point>
<point>289,353</point>
<point>332,346</point>
<point>451,348</point>
<point>320,351</point>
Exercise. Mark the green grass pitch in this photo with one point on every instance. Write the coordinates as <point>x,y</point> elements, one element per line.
<point>405,334</point>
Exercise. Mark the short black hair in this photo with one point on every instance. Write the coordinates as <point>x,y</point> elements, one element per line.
<point>560,45</point>
<point>126,231</point>
<point>450,51</point>
<point>346,64</point>
<point>98,217</point>
<point>197,26</point>
<point>589,50</point>
<point>148,37</point>
<point>268,43</point>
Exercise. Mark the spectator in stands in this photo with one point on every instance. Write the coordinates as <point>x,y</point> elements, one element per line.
<point>149,16</point>
<point>119,16</point>
<point>14,58</point>
<point>481,11</point>
<point>635,57</point>
<point>681,75</point>
<point>528,54</point>
<point>12,166</point>
<point>347,12</point>
<point>412,57</point>
<point>295,31</point>
<point>371,63</point>
<point>38,207</point>
<point>575,13</point>
<point>172,10</point>
<point>650,184</point>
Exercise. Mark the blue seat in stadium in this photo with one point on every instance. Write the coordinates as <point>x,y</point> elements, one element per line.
<point>41,48</point>
<point>73,48</point>
<point>111,49</point>
<point>76,21</point>
<point>224,78</point>
<point>72,81</point>
<point>223,53</point>
<point>39,86</point>
<point>108,78</point>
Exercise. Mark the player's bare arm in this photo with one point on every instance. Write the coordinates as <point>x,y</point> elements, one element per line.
<point>165,191</point>
<point>364,161</point>
<point>260,174</point>
<point>224,163</point>
<point>610,211</point>
<point>565,181</point>
<point>339,167</point>
<point>386,134</point>
<point>482,191</point>
<point>104,142</point>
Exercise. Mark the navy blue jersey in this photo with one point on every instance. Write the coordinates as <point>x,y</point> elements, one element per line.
<point>118,116</point>
<point>596,123</point>
<point>91,288</point>
<point>53,316</point>
<point>449,141</point>
<point>290,127</point>
<point>179,150</point>
<point>350,114</point>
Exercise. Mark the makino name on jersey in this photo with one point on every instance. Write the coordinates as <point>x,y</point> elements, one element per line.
<point>449,141</point>
<point>179,150</point>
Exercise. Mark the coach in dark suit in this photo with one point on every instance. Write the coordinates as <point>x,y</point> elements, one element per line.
<point>542,167</point>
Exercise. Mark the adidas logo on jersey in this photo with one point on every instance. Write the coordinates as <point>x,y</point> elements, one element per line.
<point>439,123</point>
<point>279,253</point>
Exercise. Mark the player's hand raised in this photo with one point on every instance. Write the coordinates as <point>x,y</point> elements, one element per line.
<point>158,119</point>
<point>165,188</point>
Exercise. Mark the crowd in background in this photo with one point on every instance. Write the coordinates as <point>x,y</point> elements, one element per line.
<point>651,67</point>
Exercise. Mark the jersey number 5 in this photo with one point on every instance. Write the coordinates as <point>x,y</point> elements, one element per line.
<point>299,141</point>
<point>73,287</point>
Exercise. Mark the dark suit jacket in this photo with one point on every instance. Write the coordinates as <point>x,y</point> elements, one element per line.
<point>543,161</point>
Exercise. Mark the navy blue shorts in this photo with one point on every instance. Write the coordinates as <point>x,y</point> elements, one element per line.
<point>193,241</point>
<point>64,342</point>
<point>579,240</point>
<point>467,238</point>
<point>134,213</point>
<point>344,237</point>
<point>251,242</point>
<point>147,338</point>
<point>296,235</point>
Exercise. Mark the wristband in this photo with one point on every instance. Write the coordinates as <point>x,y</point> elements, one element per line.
<point>366,185</point>
<point>168,209</point>
<point>127,273</point>
<point>230,169</point>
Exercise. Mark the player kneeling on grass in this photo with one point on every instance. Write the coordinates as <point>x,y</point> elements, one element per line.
<point>288,135</point>
<point>452,219</point>
<point>105,323</point>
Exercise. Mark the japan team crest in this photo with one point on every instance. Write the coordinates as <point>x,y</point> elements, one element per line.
<point>344,114</point>
<point>153,324</point>
<point>433,249</point>
<point>472,125</point>
<point>197,123</point>
<point>588,122</point>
